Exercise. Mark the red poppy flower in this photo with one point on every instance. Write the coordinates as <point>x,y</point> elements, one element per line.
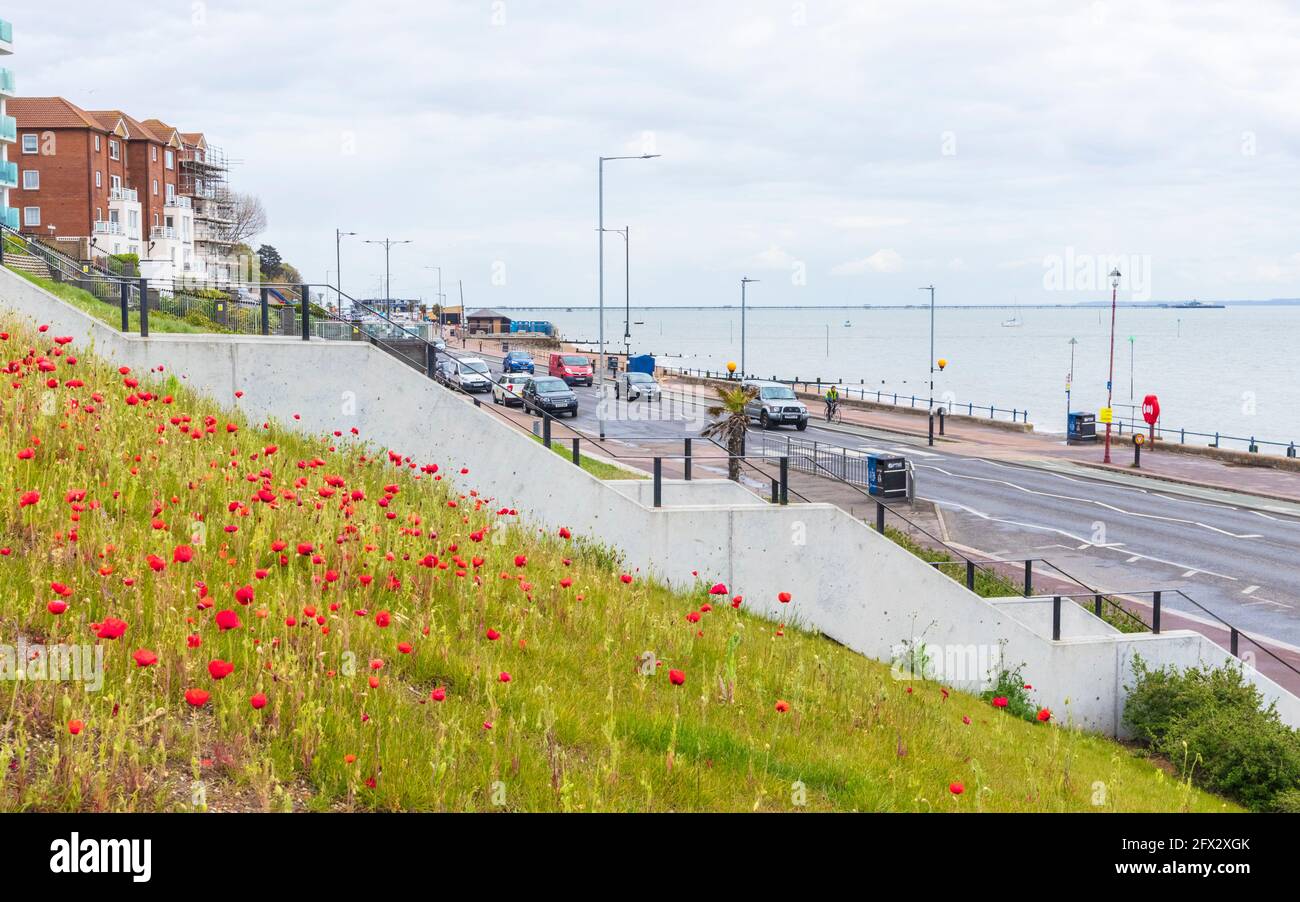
<point>111,628</point>
<point>258,701</point>
<point>57,606</point>
<point>182,554</point>
<point>784,598</point>
<point>564,532</point>
<point>439,694</point>
<point>627,578</point>
<point>677,677</point>
<point>736,602</point>
<point>75,727</point>
<point>1044,715</point>
<point>219,669</point>
<point>956,788</point>
<point>505,677</point>
<point>196,697</point>
<point>782,706</point>
<point>227,620</point>
<point>492,635</point>
<point>193,640</point>
<point>1000,701</point>
<point>565,583</point>
<point>718,589</point>
<point>29,498</point>
<point>244,595</point>
<point>404,647</point>
<point>144,657</point>
<point>383,619</point>
<point>520,560</point>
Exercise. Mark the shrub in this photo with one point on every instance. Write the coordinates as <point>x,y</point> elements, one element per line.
<point>1212,724</point>
<point>1011,686</point>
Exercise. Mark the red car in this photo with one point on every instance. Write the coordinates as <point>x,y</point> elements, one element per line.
<point>572,368</point>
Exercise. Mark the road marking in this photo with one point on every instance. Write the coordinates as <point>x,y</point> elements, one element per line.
<point>1192,572</point>
<point>1136,557</point>
<point>1250,590</point>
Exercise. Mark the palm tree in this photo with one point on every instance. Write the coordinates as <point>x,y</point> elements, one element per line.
<point>730,423</point>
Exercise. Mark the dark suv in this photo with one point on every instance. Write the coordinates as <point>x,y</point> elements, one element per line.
<point>550,394</point>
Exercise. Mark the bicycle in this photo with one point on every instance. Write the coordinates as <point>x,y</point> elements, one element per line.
<point>834,413</point>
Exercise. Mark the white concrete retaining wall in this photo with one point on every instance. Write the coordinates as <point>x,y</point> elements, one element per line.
<point>850,583</point>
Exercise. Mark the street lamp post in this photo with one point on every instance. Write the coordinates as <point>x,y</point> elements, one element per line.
<point>440,310</point>
<point>388,286</point>
<point>600,278</point>
<point>1110,379</point>
<point>743,282</point>
<point>1130,368</point>
<point>930,288</point>
<point>338,264</point>
<point>625,233</point>
<point>1069,381</point>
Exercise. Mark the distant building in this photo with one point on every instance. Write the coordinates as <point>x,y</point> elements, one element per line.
<point>487,320</point>
<point>8,131</point>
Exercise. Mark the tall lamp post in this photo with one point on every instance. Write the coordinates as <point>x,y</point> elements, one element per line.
<point>440,310</point>
<point>625,232</point>
<point>1110,379</point>
<point>600,231</point>
<point>930,288</point>
<point>743,282</point>
<point>338,264</point>
<point>1069,381</point>
<point>388,287</point>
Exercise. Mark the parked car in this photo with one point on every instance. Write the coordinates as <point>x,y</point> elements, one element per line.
<point>550,394</point>
<point>473,375</point>
<point>517,362</point>
<point>439,345</point>
<point>775,404</point>
<point>637,385</point>
<point>446,372</point>
<point>508,388</point>
<point>572,368</point>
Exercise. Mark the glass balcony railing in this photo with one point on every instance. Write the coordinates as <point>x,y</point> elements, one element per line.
<point>8,174</point>
<point>8,128</point>
<point>11,213</point>
<point>6,31</point>
<point>7,81</point>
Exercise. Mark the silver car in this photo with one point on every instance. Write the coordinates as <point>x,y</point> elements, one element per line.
<point>473,375</point>
<point>637,385</point>
<point>774,404</point>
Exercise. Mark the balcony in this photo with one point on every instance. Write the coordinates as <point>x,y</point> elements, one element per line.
<point>8,174</point>
<point>7,82</point>
<point>159,233</point>
<point>11,213</point>
<point>6,36</point>
<point>8,129</point>
<point>108,227</point>
<point>178,200</point>
<point>126,194</point>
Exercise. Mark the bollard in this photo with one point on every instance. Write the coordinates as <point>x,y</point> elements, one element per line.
<point>546,428</point>
<point>942,416</point>
<point>930,438</point>
<point>970,574</point>
<point>126,306</point>
<point>1254,448</point>
<point>1155,612</point>
<point>659,482</point>
<point>687,463</point>
<point>1029,577</point>
<point>1056,618</point>
<point>304,304</point>
<point>1232,642</point>
<point>880,518</point>
<point>1096,605</point>
<point>266,310</point>
<point>1137,452</point>
<point>785,480</point>
<point>577,454</point>
<point>144,308</point>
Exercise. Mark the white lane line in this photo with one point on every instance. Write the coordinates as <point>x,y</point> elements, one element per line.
<point>918,452</point>
<point>1190,573</point>
<point>1258,601</point>
<point>1136,557</point>
<point>1177,499</point>
<point>1101,504</point>
<point>1250,590</point>
<point>1079,539</point>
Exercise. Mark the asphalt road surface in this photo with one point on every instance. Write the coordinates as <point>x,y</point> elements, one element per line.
<point>1241,563</point>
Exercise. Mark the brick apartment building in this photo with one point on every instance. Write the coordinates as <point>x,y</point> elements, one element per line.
<point>102,183</point>
<point>8,131</point>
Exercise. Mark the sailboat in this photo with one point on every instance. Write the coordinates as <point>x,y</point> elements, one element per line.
<point>1015,321</point>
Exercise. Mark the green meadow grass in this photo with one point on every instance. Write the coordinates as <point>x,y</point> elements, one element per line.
<point>589,720</point>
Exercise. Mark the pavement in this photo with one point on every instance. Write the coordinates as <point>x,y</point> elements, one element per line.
<point>1227,536</point>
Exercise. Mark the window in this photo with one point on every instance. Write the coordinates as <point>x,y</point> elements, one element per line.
<point>169,160</point>
<point>113,151</point>
<point>30,144</point>
<point>133,220</point>
<point>31,179</point>
<point>153,152</point>
<point>99,179</point>
<point>115,181</point>
<point>114,216</point>
<point>171,192</point>
<point>31,216</point>
<point>96,143</point>
<point>155,187</point>
<point>155,219</point>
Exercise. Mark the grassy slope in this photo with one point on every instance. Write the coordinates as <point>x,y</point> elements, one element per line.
<point>578,727</point>
<point>109,313</point>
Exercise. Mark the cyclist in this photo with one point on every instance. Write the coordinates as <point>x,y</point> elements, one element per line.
<point>832,402</point>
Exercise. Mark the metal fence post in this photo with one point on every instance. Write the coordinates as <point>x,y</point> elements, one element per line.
<point>880,517</point>
<point>144,308</point>
<point>1056,617</point>
<point>1029,577</point>
<point>785,480</point>
<point>430,360</point>
<point>577,453</point>
<point>1096,605</point>
<point>1232,638</point>
<point>687,463</point>
<point>266,310</point>
<point>970,575</point>
<point>659,482</point>
<point>126,306</point>
<point>305,305</point>
<point>1155,612</point>
<point>776,491</point>
<point>546,429</point>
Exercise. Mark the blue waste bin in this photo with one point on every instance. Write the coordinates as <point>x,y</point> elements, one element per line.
<point>1081,427</point>
<point>887,475</point>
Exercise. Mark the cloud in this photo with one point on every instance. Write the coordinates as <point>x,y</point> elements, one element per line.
<point>884,260</point>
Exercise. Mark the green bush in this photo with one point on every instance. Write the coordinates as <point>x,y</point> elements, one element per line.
<point>1212,724</point>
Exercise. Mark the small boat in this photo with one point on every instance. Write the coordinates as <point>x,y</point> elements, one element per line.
<point>847,324</point>
<point>1013,322</point>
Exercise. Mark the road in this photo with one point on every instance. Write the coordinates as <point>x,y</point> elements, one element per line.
<point>1236,561</point>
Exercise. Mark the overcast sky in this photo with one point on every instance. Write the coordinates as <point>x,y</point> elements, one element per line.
<point>840,152</point>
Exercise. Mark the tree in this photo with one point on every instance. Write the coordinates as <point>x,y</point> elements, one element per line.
<point>270,261</point>
<point>249,217</point>
<point>730,423</point>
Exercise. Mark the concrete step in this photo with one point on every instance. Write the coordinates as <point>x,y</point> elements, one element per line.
<point>28,263</point>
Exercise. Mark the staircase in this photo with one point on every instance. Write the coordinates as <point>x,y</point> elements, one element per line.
<point>28,263</point>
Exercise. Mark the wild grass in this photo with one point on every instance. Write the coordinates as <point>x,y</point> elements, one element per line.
<point>110,313</point>
<point>417,588</point>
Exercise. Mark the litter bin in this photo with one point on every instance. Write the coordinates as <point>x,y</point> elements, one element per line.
<point>1081,427</point>
<point>887,475</point>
